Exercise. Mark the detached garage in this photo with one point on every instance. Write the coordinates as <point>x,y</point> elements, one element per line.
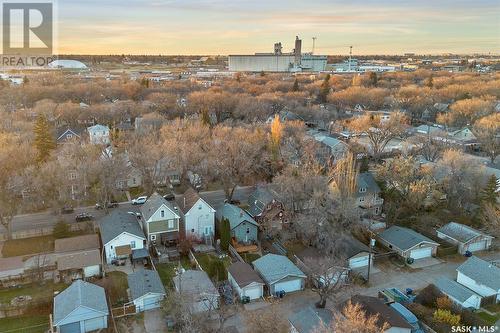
<point>465,237</point>
<point>279,274</point>
<point>80,308</point>
<point>245,281</point>
<point>408,243</point>
<point>146,289</point>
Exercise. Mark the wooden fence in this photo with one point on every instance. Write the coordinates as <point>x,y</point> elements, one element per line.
<point>122,311</point>
<point>235,253</point>
<point>193,259</point>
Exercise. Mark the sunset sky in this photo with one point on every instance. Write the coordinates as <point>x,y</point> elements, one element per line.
<point>236,27</point>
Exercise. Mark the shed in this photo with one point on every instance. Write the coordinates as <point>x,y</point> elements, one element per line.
<point>279,273</point>
<point>80,308</point>
<point>465,237</point>
<point>146,289</point>
<point>245,281</point>
<point>408,243</point>
<point>458,293</point>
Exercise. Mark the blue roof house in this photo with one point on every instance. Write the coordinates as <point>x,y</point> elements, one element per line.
<point>279,273</point>
<point>243,227</point>
<point>80,308</point>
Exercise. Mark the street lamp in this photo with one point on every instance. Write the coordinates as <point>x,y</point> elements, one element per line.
<point>372,244</point>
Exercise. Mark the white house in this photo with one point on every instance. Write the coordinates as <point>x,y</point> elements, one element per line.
<point>481,277</point>
<point>80,308</point>
<point>279,273</point>
<point>199,216</point>
<point>121,234</point>
<point>146,289</point>
<point>198,289</point>
<point>99,134</point>
<point>458,293</point>
<point>160,219</point>
<point>245,281</point>
<point>465,237</point>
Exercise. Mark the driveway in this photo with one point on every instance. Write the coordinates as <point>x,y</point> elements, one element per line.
<point>154,321</point>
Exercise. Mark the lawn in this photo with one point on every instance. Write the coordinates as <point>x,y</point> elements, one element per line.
<point>25,324</point>
<point>488,318</point>
<point>37,292</point>
<point>25,246</point>
<point>208,262</point>
<point>116,285</point>
<point>166,272</point>
<point>250,257</point>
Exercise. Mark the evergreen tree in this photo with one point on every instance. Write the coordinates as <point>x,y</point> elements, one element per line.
<point>44,141</point>
<point>489,193</point>
<point>430,82</point>
<point>225,234</point>
<point>324,90</point>
<point>295,86</point>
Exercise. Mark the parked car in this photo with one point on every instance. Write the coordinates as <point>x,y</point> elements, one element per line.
<point>84,217</point>
<point>139,200</point>
<point>136,214</point>
<point>67,210</point>
<point>112,204</point>
<point>169,197</point>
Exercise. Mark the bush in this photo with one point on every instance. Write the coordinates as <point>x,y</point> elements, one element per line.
<point>445,316</point>
<point>61,230</point>
<point>444,303</point>
<point>428,296</point>
<point>471,319</point>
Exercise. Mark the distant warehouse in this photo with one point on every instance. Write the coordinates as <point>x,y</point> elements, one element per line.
<point>294,61</point>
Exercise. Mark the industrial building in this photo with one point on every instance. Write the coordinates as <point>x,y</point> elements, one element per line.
<point>278,61</point>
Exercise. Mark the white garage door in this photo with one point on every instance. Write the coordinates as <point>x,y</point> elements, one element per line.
<point>358,262</point>
<point>477,246</point>
<point>424,252</point>
<point>94,324</point>
<point>253,292</point>
<point>288,286</point>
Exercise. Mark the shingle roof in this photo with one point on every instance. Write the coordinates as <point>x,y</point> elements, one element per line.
<point>118,222</point>
<point>482,272</point>
<point>374,306</point>
<point>154,202</point>
<point>258,200</point>
<point>80,293</point>
<point>195,283</point>
<point>144,281</point>
<point>403,238</point>
<point>98,127</point>
<point>459,232</point>
<point>189,198</point>
<point>366,180</point>
<point>454,289</point>
<point>273,267</point>
<point>309,319</point>
<point>243,274</point>
<point>234,214</point>
<point>78,260</point>
<point>78,243</point>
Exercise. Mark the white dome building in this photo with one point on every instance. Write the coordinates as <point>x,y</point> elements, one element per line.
<point>68,64</point>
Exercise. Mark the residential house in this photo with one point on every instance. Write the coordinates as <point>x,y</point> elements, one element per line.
<point>480,276</point>
<point>245,281</point>
<point>160,220</point>
<point>267,210</point>
<point>66,135</point>
<point>121,234</point>
<point>243,227</point>
<point>458,293</point>
<point>146,289</point>
<point>463,137</point>
<point>199,216</point>
<point>367,195</point>
<point>331,149</point>
<point>99,135</point>
<point>82,307</point>
<point>198,289</point>
<point>408,243</point>
<point>279,274</point>
<point>373,306</point>
<point>77,257</point>
<point>310,320</point>
<point>465,237</point>
<point>285,115</point>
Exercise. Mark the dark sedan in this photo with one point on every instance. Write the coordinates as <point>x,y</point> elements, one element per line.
<point>84,217</point>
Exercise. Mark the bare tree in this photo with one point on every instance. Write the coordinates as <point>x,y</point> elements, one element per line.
<point>328,275</point>
<point>268,320</point>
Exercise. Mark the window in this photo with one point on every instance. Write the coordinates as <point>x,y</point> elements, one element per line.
<point>72,175</point>
<point>170,224</point>
<point>69,136</point>
<point>199,207</point>
<point>362,189</point>
<point>153,237</point>
<point>132,244</point>
<point>362,199</point>
<point>192,230</point>
<point>248,230</point>
<point>162,213</point>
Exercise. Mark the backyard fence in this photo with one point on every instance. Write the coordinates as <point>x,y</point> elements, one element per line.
<point>45,231</point>
<point>235,253</point>
<point>192,258</point>
<point>122,311</point>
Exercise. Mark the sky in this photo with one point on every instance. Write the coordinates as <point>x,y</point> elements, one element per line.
<point>211,27</point>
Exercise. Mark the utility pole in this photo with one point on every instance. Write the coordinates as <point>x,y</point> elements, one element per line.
<point>372,244</point>
<point>314,45</point>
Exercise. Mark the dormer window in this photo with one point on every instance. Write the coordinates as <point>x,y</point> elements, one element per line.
<point>362,189</point>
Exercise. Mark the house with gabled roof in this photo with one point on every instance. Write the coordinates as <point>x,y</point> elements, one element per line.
<point>243,227</point>
<point>245,281</point>
<point>121,234</point>
<point>99,134</point>
<point>146,289</point>
<point>82,307</point>
<point>266,208</point>
<point>465,237</point>
<point>161,220</point>
<point>408,243</point>
<point>367,195</point>
<point>199,216</point>
<point>458,293</point>
<point>279,273</point>
<point>65,135</point>
<point>481,276</point>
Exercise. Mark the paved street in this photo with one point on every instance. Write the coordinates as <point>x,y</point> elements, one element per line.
<point>49,219</point>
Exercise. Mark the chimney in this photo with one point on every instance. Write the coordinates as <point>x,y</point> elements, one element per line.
<point>184,201</point>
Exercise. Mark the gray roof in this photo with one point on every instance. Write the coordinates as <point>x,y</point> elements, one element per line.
<point>454,289</point>
<point>118,222</point>
<point>460,232</point>
<point>366,180</point>
<point>195,283</point>
<point>243,274</point>
<point>258,200</point>
<point>403,238</point>
<point>144,281</point>
<point>309,319</point>
<point>273,267</point>
<point>154,202</point>
<point>80,293</point>
<point>482,272</point>
<point>235,215</point>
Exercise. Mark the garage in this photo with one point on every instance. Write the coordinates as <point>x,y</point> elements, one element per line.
<point>358,262</point>
<point>288,286</point>
<point>254,292</point>
<point>146,289</point>
<point>70,328</point>
<point>424,252</point>
<point>151,302</point>
<point>94,324</point>
<point>477,246</point>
